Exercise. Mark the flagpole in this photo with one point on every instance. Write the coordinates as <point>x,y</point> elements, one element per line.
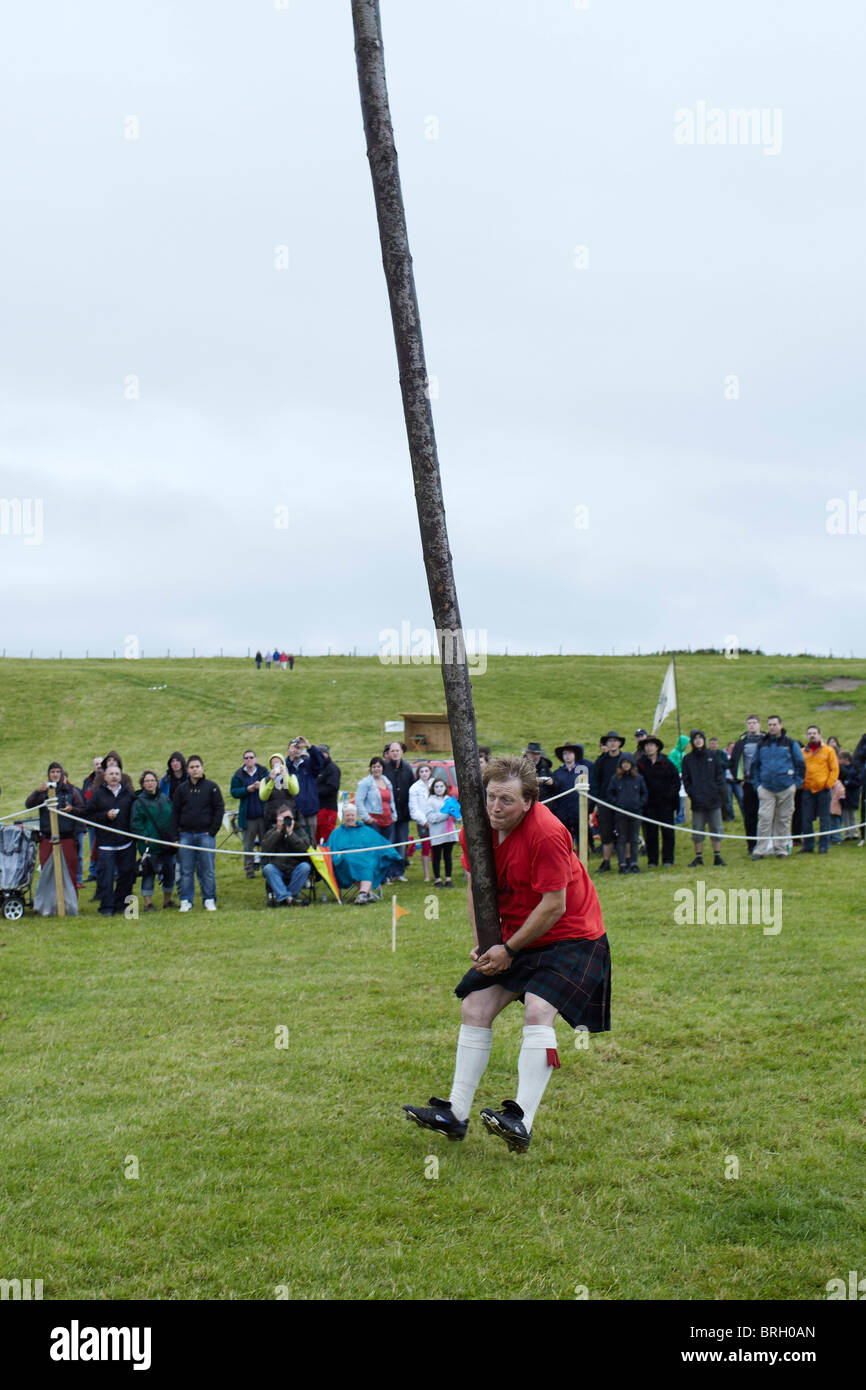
<point>677,688</point>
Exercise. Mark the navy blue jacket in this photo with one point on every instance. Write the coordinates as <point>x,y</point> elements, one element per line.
<point>306,771</point>
<point>251,807</point>
<point>567,808</point>
<point>778,763</point>
<point>628,793</point>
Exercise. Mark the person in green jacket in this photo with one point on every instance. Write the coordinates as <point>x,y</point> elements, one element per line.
<point>151,816</point>
<point>677,753</point>
<point>676,756</point>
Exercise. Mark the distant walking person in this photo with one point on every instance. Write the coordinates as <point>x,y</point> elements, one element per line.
<point>778,768</point>
<point>269,656</point>
<point>258,661</point>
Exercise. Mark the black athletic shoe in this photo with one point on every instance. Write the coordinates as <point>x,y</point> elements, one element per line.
<point>437,1115</point>
<point>634,869</point>
<point>696,863</point>
<point>718,861</point>
<point>508,1124</point>
<point>604,867</point>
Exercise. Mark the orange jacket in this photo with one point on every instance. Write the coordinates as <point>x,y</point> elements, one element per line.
<point>822,767</point>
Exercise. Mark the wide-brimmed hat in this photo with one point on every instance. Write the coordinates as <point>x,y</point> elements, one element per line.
<point>612,733</point>
<point>576,748</point>
<point>535,748</point>
<point>653,738</point>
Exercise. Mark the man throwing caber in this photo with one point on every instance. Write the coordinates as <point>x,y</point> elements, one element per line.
<point>555,958</point>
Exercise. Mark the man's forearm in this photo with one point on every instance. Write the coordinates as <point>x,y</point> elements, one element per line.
<point>540,920</point>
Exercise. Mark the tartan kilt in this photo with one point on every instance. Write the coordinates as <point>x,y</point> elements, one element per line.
<point>573,975</point>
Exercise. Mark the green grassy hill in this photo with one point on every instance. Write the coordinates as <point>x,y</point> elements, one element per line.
<point>73,710</point>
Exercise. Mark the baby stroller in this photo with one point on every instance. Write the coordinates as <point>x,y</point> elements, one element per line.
<point>17,861</point>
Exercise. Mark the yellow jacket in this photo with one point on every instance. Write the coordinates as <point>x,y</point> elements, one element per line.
<point>822,767</point>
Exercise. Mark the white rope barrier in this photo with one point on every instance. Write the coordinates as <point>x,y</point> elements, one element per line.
<point>207,849</point>
<point>697,834</point>
<point>417,840</point>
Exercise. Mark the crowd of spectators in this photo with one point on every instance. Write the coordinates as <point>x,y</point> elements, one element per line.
<point>164,829</point>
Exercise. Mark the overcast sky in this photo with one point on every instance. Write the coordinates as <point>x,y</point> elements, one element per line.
<point>622,314</point>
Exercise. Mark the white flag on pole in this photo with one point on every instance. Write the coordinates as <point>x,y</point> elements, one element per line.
<point>667,699</point>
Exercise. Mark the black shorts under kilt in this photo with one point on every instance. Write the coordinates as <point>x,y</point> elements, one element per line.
<point>572,975</point>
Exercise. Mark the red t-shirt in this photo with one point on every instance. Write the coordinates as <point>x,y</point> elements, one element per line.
<point>535,858</point>
<point>383,817</point>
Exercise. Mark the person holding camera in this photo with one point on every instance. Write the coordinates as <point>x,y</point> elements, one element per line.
<point>285,876</point>
<point>306,761</point>
<point>58,784</point>
<point>277,790</point>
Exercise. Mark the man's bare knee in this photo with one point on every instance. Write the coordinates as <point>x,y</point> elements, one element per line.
<point>538,1012</point>
<point>476,1011</point>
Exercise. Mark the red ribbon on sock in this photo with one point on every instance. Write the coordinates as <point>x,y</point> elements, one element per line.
<point>552,1057</point>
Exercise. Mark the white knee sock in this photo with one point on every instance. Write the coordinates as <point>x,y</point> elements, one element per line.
<point>538,1058</point>
<point>473,1051</point>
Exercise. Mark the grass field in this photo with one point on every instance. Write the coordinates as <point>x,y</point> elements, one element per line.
<point>149,1046</point>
